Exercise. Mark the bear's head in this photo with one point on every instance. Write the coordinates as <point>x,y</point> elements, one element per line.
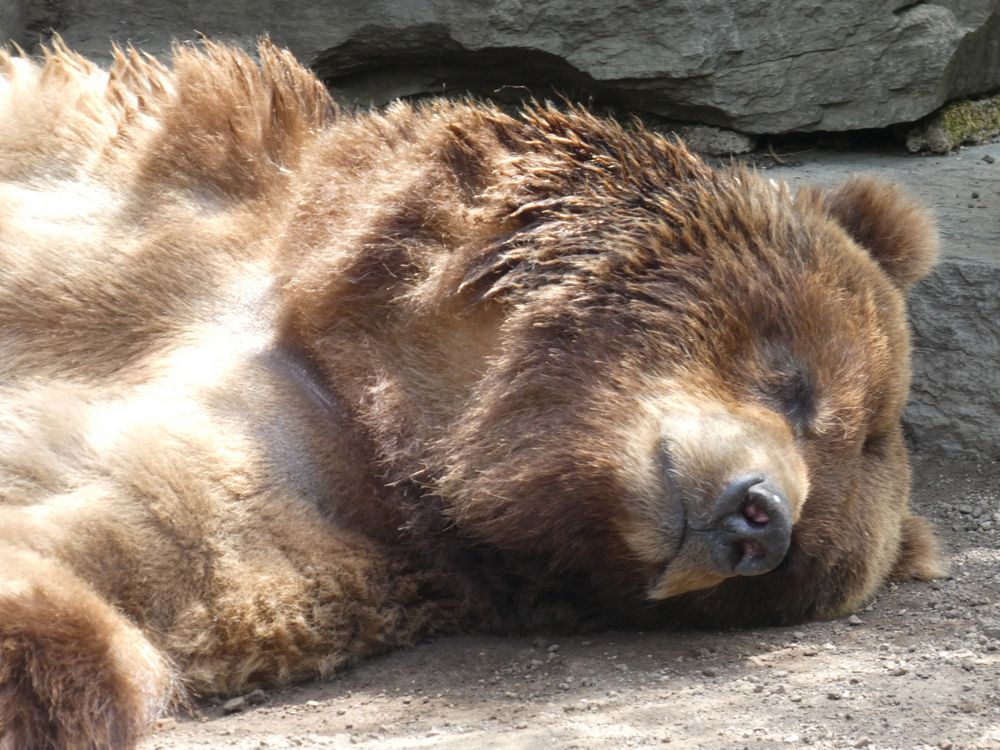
<point>589,349</point>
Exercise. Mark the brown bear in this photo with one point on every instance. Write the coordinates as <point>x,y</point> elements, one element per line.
<point>284,386</point>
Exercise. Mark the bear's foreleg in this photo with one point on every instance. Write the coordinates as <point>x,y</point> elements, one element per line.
<point>74,673</point>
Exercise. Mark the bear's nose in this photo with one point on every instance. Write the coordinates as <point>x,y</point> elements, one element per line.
<point>751,528</point>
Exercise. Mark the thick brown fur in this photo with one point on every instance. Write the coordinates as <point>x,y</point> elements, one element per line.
<point>282,387</point>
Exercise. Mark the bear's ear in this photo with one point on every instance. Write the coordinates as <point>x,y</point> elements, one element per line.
<point>897,231</point>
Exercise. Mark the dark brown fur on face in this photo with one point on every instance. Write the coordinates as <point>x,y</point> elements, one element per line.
<point>283,387</point>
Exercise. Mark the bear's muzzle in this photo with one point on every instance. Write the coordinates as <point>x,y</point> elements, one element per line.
<point>752,528</point>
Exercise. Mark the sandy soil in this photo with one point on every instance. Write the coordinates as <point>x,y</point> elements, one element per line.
<point>918,668</point>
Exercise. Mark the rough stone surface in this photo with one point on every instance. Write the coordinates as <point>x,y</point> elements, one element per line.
<point>713,141</point>
<point>954,405</point>
<point>11,21</point>
<point>757,67</point>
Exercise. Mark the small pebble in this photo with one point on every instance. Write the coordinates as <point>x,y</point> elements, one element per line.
<point>234,705</point>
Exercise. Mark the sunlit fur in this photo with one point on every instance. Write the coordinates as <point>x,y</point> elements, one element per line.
<point>282,387</point>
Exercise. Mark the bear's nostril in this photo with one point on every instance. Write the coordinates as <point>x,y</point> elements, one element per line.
<point>755,514</point>
<point>751,550</point>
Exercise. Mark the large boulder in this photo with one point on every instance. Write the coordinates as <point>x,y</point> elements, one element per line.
<point>755,66</point>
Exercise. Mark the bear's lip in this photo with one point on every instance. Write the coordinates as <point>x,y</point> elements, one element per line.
<point>676,512</point>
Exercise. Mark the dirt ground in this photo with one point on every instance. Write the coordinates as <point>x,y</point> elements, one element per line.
<point>918,668</point>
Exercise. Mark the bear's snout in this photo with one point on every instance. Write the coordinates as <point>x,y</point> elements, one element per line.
<point>736,479</point>
<point>751,528</point>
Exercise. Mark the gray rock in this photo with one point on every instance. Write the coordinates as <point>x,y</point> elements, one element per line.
<point>756,67</point>
<point>954,407</point>
<point>714,141</point>
<point>11,21</point>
